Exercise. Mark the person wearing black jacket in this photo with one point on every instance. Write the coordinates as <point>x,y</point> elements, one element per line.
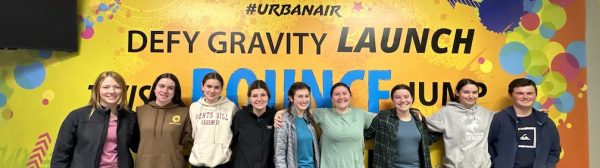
<point>253,130</point>
<point>101,133</point>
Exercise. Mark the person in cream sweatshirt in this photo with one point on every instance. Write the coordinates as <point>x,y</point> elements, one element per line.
<point>211,117</point>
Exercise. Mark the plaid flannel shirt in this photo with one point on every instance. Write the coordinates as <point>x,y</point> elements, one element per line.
<point>384,128</point>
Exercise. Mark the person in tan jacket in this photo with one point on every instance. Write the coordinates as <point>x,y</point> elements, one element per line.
<point>165,126</point>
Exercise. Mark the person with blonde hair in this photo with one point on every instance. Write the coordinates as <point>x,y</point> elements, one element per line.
<point>89,137</point>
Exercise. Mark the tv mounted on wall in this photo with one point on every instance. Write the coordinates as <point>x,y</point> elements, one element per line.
<point>39,24</point>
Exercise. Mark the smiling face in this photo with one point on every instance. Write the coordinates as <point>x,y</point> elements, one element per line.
<point>212,90</point>
<point>301,99</point>
<point>164,91</point>
<point>341,97</point>
<point>402,100</point>
<point>467,95</point>
<point>523,97</point>
<point>259,99</point>
<point>110,93</point>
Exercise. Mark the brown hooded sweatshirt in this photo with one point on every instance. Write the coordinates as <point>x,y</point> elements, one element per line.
<point>163,132</point>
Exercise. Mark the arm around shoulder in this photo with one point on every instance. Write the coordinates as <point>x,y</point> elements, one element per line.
<point>436,122</point>
<point>369,117</point>
<point>432,137</point>
<point>281,134</point>
<point>371,131</point>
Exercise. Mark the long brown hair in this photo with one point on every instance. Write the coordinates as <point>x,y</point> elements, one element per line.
<point>176,94</point>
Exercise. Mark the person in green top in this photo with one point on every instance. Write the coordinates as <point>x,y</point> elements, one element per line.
<point>341,140</point>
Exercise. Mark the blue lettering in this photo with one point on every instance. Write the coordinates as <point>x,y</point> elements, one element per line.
<point>234,81</point>
<point>353,75</point>
<point>288,80</point>
<point>270,79</point>
<point>373,84</point>
<point>321,98</point>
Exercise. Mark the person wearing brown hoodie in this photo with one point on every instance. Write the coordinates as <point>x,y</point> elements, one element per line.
<point>165,127</point>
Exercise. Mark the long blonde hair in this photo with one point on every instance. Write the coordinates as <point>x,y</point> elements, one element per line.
<point>95,97</point>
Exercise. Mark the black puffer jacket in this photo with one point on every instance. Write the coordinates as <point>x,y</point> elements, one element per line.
<point>81,138</point>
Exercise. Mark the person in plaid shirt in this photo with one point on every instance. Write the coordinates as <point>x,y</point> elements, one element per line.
<point>401,135</point>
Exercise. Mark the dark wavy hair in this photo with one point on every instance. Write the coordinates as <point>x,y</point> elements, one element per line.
<point>292,92</point>
<point>177,95</point>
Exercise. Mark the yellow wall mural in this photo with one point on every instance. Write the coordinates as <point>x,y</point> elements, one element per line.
<point>372,45</point>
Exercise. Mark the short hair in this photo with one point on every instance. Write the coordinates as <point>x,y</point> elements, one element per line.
<point>176,96</point>
<point>521,82</point>
<point>259,84</point>
<point>398,87</point>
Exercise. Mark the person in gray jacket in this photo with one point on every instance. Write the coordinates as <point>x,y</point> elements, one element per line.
<point>465,126</point>
<point>296,141</point>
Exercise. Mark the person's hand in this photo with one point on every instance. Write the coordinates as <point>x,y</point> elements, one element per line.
<point>278,122</point>
<point>417,113</point>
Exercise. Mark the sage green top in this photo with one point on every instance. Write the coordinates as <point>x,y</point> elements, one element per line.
<point>342,140</point>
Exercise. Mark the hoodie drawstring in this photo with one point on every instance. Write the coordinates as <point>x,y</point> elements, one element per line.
<point>162,126</point>
<point>216,111</point>
<point>156,121</point>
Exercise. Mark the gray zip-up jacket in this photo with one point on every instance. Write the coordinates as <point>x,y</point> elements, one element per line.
<point>285,142</point>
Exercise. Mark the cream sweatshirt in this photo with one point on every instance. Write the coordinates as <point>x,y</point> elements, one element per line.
<point>211,124</point>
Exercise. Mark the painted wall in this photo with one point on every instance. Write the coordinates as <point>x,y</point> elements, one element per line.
<point>348,41</point>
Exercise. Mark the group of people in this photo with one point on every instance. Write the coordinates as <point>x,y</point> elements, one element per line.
<point>219,134</point>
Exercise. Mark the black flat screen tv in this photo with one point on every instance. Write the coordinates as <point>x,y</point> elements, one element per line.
<point>39,24</point>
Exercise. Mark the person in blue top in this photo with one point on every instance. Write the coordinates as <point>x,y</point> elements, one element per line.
<point>296,140</point>
<point>521,136</point>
